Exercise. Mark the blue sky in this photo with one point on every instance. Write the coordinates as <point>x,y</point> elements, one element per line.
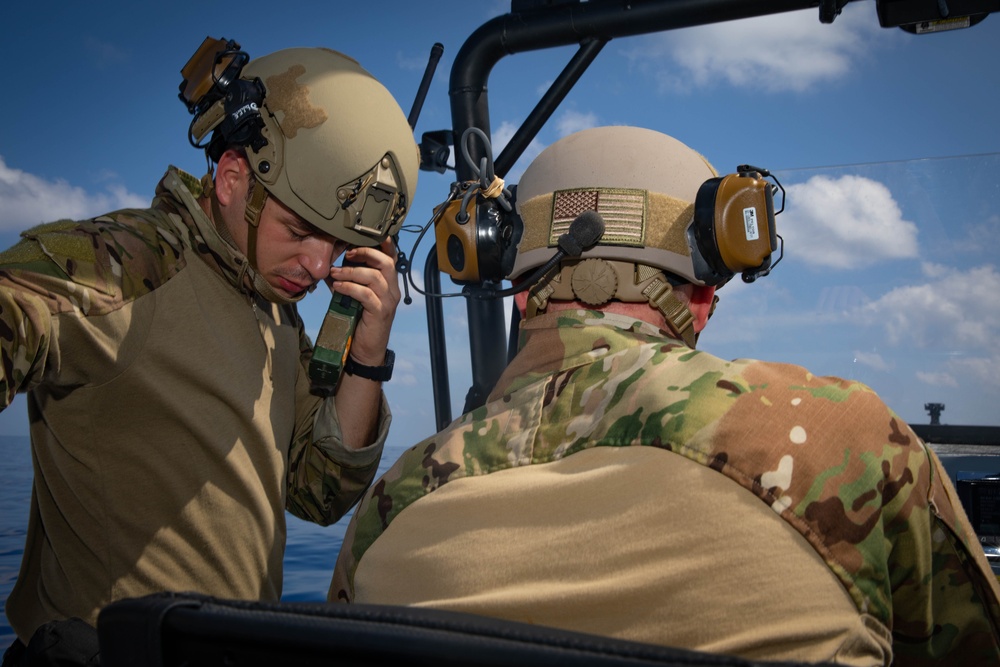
<point>885,141</point>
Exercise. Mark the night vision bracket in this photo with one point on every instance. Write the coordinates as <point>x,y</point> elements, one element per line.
<point>219,99</point>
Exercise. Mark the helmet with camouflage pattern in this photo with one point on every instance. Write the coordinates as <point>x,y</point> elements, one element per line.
<point>643,184</point>
<point>334,145</point>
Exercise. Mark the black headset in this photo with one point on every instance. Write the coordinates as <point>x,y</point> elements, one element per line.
<point>481,244</point>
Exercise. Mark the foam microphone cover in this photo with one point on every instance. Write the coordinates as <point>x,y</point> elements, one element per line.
<point>584,232</point>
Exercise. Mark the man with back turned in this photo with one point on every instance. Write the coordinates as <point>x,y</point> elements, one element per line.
<point>620,482</point>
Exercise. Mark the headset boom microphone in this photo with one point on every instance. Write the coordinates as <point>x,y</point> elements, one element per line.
<point>583,233</point>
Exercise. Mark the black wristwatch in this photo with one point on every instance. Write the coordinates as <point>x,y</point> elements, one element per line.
<point>381,373</point>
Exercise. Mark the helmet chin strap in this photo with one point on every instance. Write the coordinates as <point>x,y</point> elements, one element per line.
<point>254,207</point>
<point>679,318</point>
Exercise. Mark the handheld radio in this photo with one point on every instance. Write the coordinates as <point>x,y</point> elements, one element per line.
<point>333,343</point>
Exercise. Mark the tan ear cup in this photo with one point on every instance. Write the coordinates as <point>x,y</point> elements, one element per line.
<point>742,232</point>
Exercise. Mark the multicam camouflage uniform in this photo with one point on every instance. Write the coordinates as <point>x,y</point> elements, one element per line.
<point>459,523</point>
<point>171,420</point>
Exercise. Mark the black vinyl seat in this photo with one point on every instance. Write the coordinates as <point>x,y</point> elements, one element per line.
<point>171,629</point>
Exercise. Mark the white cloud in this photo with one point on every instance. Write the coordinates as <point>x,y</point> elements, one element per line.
<point>845,223</point>
<point>501,137</point>
<point>543,88</point>
<point>27,200</point>
<point>575,121</point>
<point>411,63</point>
<point>105,54</point>
<point>872,360</point>
<point>841,299</point>
<point>981,238</point>
<point>937,379</point>
<point>751,313</point>
<point>566,123</point>
<point>959,308</point>
<point>405,373</point>
<point>791,51</point>
<point>983,369</point>
<point>935,271</point>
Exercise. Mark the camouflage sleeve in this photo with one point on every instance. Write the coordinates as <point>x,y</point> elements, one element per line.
<point>325,477</point>
<point>418,471</point>
<point>25,335</point>
<point>945,602</point>
<point>825,454</point>
<point>72,268</point>
<point>51,270</point>
<point>876,504</point>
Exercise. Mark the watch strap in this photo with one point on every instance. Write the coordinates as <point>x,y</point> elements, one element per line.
<point>381,373</point>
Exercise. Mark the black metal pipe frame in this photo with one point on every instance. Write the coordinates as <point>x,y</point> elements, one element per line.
<point>575,23</point>
<point>594,23</point>
<point>488,336</point>
<point>436,339</point>
<point>588,52</point>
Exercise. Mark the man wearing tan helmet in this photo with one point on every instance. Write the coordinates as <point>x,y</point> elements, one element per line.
<point>173,417</point>
<point>620,482</point>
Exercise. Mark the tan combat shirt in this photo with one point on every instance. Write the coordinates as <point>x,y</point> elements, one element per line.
<point>171,419</point>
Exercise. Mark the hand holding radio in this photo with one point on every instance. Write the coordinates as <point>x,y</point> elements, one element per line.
<point>354,336</point>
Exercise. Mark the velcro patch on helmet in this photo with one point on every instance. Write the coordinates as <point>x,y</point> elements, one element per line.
<point>624,212</point>
<point>286,94</point>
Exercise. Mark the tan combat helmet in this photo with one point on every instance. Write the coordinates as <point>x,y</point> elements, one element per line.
<point>668,219</point>
<point>642,182</point>
<point>334,145</point>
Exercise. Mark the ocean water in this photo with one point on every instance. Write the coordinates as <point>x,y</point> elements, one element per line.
<point>15,497</point>
<point>310,552</point>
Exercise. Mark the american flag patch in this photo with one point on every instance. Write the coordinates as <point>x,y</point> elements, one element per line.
<point>624,213</point>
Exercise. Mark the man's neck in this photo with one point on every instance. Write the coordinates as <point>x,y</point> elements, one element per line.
<point>639,311</point>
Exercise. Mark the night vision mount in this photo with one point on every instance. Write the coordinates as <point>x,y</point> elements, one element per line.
<point>220,100</point>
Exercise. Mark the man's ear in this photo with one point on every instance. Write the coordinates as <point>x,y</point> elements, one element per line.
<point>231,177</point>
<point>700,304</point>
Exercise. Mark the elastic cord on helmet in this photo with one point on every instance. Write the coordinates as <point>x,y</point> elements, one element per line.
<point>491,186</point>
